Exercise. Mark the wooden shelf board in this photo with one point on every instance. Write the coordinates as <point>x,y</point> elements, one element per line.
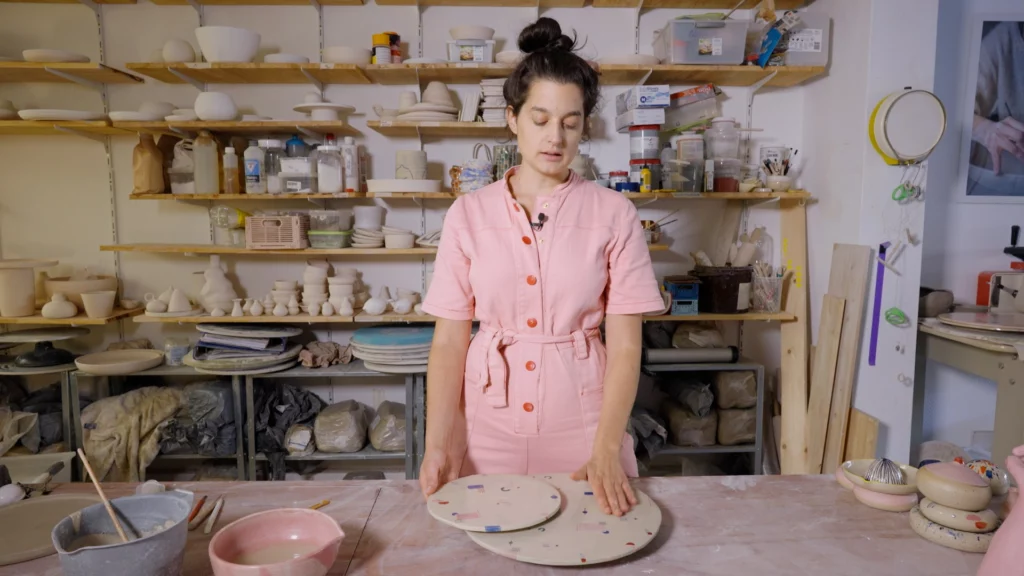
<point>261,197</point>
<point>211,249</point>
<point>494,3</point>
<point>444,129</point>
<point>80,320</point>
<point>65,1</point>
<point>258,2</point>
<point>697,4</point>
<point>264,127</point>
<point>50,128</point>
<point>300,319</point>
<point>779,317</point>
<point>793,194</point>
<point>675,74</point>
<point>39,72</point>
<point>252,73</point>
<point>471,73</point>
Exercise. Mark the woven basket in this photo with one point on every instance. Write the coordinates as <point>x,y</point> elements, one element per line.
<point>276,232</point>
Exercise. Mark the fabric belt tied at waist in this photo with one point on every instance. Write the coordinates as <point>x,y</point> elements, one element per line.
<point>493,377</point>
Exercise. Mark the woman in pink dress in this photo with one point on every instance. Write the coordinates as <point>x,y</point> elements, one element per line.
<point>540,258</point>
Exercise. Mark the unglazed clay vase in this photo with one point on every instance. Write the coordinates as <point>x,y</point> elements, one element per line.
<point>18,286</point>
<point>997,478</point>
<point>948,537</point>
<point>218,313</point>
<point>256,309</point>
<point>345,307</point>
<point>217,290</point>
<point>886,502</point>
<point>59,307</point>
<point>954,485</point>
<point>981,521</point>
<point>99,304</point>
<point>327,309</point>
<point>236,310</point>
<point>280,310</point>
<point>402,306</point>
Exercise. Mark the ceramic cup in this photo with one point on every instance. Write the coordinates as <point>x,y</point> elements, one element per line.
<point>410,165</point>
<point>409,295</point>
<point>407,99</point>
<point>286,285</point>
<point>179,302</point>
<point>342,290</point>
<point>99,304</point>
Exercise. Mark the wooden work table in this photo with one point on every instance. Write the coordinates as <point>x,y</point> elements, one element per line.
<point>737,526</point>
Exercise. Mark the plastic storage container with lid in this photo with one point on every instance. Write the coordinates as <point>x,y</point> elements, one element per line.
<point>381,49</point>
<point>616,176</point>
<point>809,41</point>
<point>728,172</point>
<point>471,51</point>
<point>701,42</point>
<point>329,168</point>
<point>329,220</point>
<point>644,142</point>
<point>273,151</point>
<point>689,146</point>
<point>723,139</point>
<point>330,238</point>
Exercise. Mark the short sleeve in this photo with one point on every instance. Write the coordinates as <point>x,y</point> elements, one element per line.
<point>632,286</point>
<point>450,295</point>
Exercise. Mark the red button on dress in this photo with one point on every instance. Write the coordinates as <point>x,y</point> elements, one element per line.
<point>531,322</point>
<point>531,280</point>
<point>527,241</point>
<point>531,366</point>
<point>528,407</point>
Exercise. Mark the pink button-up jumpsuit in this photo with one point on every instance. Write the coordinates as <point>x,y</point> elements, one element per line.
<point>534,378</point>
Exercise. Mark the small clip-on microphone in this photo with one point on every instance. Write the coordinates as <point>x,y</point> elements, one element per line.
<point>539,224</point>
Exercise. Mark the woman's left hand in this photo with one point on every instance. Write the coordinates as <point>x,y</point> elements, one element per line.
<point>611,487</point>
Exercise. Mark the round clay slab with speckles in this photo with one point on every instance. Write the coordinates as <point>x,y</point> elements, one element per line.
<point>494,502</point>
<point>581,534</point>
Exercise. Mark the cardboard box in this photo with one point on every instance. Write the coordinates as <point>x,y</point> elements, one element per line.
<point>691,108</point>
<point>639,117</point>
<point>652,96</point>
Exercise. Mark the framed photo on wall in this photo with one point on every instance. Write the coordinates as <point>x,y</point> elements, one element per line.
<point>992,153</point>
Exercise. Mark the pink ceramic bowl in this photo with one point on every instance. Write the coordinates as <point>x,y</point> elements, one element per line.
<point>282,542</point>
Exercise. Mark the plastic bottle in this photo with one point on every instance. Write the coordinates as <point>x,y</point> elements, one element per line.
<point>231,172</point>
<point>645,179</point>
<point>273,151</point>
<point>330,167</point>
<point>296,147</point>
<point>255,183</point>
<point>350,157</point>
<point>206,171</point>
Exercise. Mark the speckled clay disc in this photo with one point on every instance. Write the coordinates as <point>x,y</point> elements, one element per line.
<point>494,502</point>
<point>581,534</point>
<point>948,537</point>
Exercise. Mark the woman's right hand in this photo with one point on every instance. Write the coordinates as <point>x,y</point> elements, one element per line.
<point>1007,135</point>
<point>438,468</point>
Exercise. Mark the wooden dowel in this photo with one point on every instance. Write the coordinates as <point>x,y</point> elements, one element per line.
<point>106,503</point>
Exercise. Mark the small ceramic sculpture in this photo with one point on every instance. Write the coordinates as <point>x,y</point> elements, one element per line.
<point>954,485</point>
<point>218,313</point>
<point>179,302</point>
<point>885,471</point>
<point>996,476</point>
<point>384,294</point>
<point>886,502</point>
<point>314,309</point>
<point>217,291</point>
<point>256,309</point>
<point>165,297</point>
<point>59,307</point>
<point>345,309</point>
<point>236,310</point>
<point>293,303</point>
<point>155,306</point>
<point>402,306</point>
<point>327,309</point>
<point>419,309</point>
<point>293,310</point>
<point>268,303</point>
<point>375,306</point>
<point>280,310</point>
<point>980,522</point>
<point>247,306</point>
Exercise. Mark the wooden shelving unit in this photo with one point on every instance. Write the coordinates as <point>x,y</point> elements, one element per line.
<point>249,73</point>
<point>65,2</point>
<point>278,197</point>
<point>258,2</point>
<point>495,3</point>
<point>416,318</point>
<point>473,73</point>
<point>212,249</point>
<point>339,128</point>
<point>59,72</point>
<point>675,74</point>
<point>698,4</point>
<point>80,320</point>
<point>438,129</point>
<point>53,128</point>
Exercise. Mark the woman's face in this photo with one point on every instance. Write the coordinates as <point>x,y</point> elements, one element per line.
<point>549,127</point>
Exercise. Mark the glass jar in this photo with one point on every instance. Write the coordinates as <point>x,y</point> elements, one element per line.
<point>723,139</point>
<point>617,176</point>
<point>330,169</point>
<point>175,350</point>
<point>273,151</point>
<point>727,175</point>
<point>689,146</point>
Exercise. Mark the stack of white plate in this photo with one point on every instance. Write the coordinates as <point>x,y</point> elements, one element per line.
<point>363,238</point>
<point>393,349</point>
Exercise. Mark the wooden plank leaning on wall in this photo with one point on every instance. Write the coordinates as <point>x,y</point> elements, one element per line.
<point>795,339</point>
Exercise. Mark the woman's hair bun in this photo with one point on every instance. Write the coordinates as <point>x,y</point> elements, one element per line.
<point>545,35</point>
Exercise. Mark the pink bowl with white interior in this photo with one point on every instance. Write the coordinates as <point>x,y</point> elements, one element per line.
<point>282,542</point>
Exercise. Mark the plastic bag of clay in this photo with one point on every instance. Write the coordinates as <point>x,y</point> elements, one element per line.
<point>387,431</point>
<point>147,167</point>
<point>341,427</point>
<point>299,440</point>
<point>695,395</point>
<point>735,390</point>
<point>688,429</point>
<point>691,336</point>
<point>737,427</point>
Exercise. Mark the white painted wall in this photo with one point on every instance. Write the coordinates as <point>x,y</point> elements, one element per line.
<point>963,239</point>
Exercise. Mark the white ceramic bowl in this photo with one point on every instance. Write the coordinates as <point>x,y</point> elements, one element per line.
<point>369,218</point>
<point>282,58</point>
<point>161,109</point>
<point>227,43</point>
<point>399,241</point>
<point>178,50</point>
<point>346,55</point>
<point>509,57</point>
<point>286,285</point>
<point>215,106</point>
<point>472,33</point>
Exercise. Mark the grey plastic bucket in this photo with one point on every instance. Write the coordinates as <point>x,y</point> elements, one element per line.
<point>157,529</point>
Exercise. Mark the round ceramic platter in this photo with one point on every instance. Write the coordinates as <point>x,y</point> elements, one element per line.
<point>494,502</point>
<point>267,370</point>
<point>308,108</point>
<point>581,534</point>
<point>35,519</point>
<point>42,335</point>
<point>392,362</point>
<point>119,362</point>
<point>44,55</point>
<point>60,115</point>
<point>411,349</point>
<point>243,363</point>
<point>392,369</point>
<point>14,369</point>
<point>250,330</point>
<point>394,336</point>
<point>983,321</point>
<point>194,312</point>
<point>428,107</point>
<point>134,117</point>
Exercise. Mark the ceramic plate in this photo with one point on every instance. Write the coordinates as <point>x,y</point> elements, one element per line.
<point>195,312</point>
<point>308,108</point>
<point>250,330</point>
<point>35,519</point>
<point>42,335</point>
<point>181,118</point>
<point>391,369</point>
<point>60,115</point>
<point>119,362</point>
<point>985,321</point>
<point>43,55</point>
<point>428,107</point>
<point>378,185</point>
<point>14,369</point>
<point>394,335</point>
<point>243,363</point>
<point>581,534</point>
<point>392,360</point>
<point>494,502</point>
<point>267,370</point>
<point>134,117</point>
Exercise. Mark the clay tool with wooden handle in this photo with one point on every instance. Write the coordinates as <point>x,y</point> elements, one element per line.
<point>201,516</point>
<point>319,504</point>
<point>106,503</point>
<point>214,516</point>
<point>196,509</point>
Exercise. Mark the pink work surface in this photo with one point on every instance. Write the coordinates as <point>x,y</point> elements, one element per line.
<point>740,525</point>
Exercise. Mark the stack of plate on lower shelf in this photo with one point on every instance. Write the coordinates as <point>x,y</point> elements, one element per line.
<point>243,349</point>
<point>393,349</point>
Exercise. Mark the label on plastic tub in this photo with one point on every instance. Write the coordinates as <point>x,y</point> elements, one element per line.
<point>709,46</point>
<point>643,144</point>
<point>807,40</point>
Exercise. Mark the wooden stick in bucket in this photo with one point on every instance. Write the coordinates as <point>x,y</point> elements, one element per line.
<point>106,503</point>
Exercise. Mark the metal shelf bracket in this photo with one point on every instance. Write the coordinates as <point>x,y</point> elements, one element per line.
<point>187,78</point>
<point>76,79</point>
<point>313,80</point>
<point>76,132</point>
